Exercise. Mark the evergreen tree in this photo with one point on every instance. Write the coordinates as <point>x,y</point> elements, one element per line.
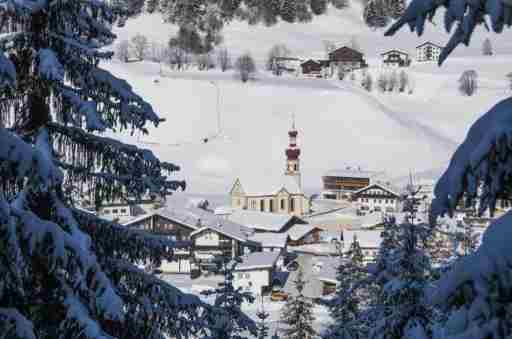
<point>66,273</point>
<point>229,322</point>
<point>345,307</point>
<point>395,8</point>
<point>297,314</point>
<point>374,14</point>
<point>402,273</point>
<point>263,329</point>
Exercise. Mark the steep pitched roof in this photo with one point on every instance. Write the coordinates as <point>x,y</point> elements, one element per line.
<point>346,48</point>
<point>262,186</point>
<point>298,231</point>
<point>260,220</point>
<point>223,226</point>
<point>394,51</point>
<point>257,260</point>
<point>277,240</point>
<point>429,43</point>
<point>382,187</point>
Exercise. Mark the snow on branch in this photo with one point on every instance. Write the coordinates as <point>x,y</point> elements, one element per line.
<point>26,161</point>
<point>481,168</point>
<point>49,66</point>
<point>116,241</point>
<point>63,249</point>
<point>466,14</point>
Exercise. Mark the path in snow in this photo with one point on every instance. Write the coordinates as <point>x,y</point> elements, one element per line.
<point>436,138</point>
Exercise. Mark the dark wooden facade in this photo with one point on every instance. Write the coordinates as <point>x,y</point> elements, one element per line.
<point>347,56</point>
<point>398,58</point>
<point>311,67</point>
<point>164,226</point>
<point>345,183</point>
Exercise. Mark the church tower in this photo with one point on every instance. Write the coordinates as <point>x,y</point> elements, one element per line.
<point>292,156</point>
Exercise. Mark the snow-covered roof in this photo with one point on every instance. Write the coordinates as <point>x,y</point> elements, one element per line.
<point>277,240</point>
<point>377,185</point>
<point>223,226</point>
<point>324,268</point>
<point>394,50</point>
<point>298,231</point>
<point>371,220</point>
<point>268,185</point>
<point>260,220</point>
<point>223,210</point>
<point>366,238</point>
<point>258,260</point>
<point>351,173</point>
<point>429,43</point>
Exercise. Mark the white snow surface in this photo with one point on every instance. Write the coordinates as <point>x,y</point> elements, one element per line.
<point>338,122</point>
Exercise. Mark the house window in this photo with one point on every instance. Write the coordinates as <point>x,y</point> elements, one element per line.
<point>282,204</point>
<point>271,205</point>
<point>106,211</point>
<point>295,167</point>
<point>292,204</point>
<point>262,205</point>
<point>253,204</point>
<point>114,211</point>
<point>123,210</point>
<point>247,276</point>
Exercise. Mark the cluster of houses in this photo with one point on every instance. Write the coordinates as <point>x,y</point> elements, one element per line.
<point>349,59</point>
<point>268,217</point>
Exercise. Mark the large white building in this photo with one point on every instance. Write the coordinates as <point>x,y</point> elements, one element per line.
<point>377,198</point>
<point>283,195</point>
<point>428,51</point>
<point>256,271</point>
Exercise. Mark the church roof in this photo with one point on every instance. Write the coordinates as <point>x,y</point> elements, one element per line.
<point>260,220</point>
<point>262,186</point>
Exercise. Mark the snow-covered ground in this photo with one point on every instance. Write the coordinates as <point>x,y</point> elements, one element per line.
<point>339,123</point>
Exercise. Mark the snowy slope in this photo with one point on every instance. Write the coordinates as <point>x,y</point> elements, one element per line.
<point>339,123</point>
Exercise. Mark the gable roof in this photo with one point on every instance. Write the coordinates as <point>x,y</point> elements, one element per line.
<point>223,226</point>
<point>260,220</point>
<point>257,260</point>
<point>396,51</point>
<point>310,61</point>
<point>346,48</point>
<point>299,231</point>
<point>277,240</point>
<point>376,185</point>
<point>263,186</point>
<point>429,43</point>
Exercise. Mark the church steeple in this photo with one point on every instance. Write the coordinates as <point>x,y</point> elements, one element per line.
<point>293,154</point>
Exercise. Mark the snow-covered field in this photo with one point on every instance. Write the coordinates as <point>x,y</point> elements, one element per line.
<point>339,123</point>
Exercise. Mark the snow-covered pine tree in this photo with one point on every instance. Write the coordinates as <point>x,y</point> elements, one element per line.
<point>65,273</point>
<point>229,322</point>
<point>475,293</point>
<point>297,313</point>
<point>395,8</point>
<point>345,307</point>
<point>403,272</point>
<point>374,14</point>
<point>262,326</point>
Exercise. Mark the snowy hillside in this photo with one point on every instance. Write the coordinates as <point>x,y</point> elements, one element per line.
<point>339,123</point>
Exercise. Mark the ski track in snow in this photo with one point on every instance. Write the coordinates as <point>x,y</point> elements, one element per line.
<point>435,138</point>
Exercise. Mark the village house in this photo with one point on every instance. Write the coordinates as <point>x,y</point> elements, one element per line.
<point>122,210</point>
<point>347,59</point>
<point>376,198</point>
<point>428,51</point>
<point>283,195</point>
<point>256,272</point>
<point>298,231</point>
<point>340,184</point>
<point>395,58</point>
<point>221,239</point>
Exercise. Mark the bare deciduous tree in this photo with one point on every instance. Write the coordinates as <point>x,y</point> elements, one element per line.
<point>382,82</point>
<point>487,47</point>
<point>123,51</point>
<point>403,81</point>
<point>245,66</point>
<point>277,51</point>
<point>392,81</point>
<point>367,82</point>
<point>468,82</point>
<point>140,46</point>
<point>224,59</point>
